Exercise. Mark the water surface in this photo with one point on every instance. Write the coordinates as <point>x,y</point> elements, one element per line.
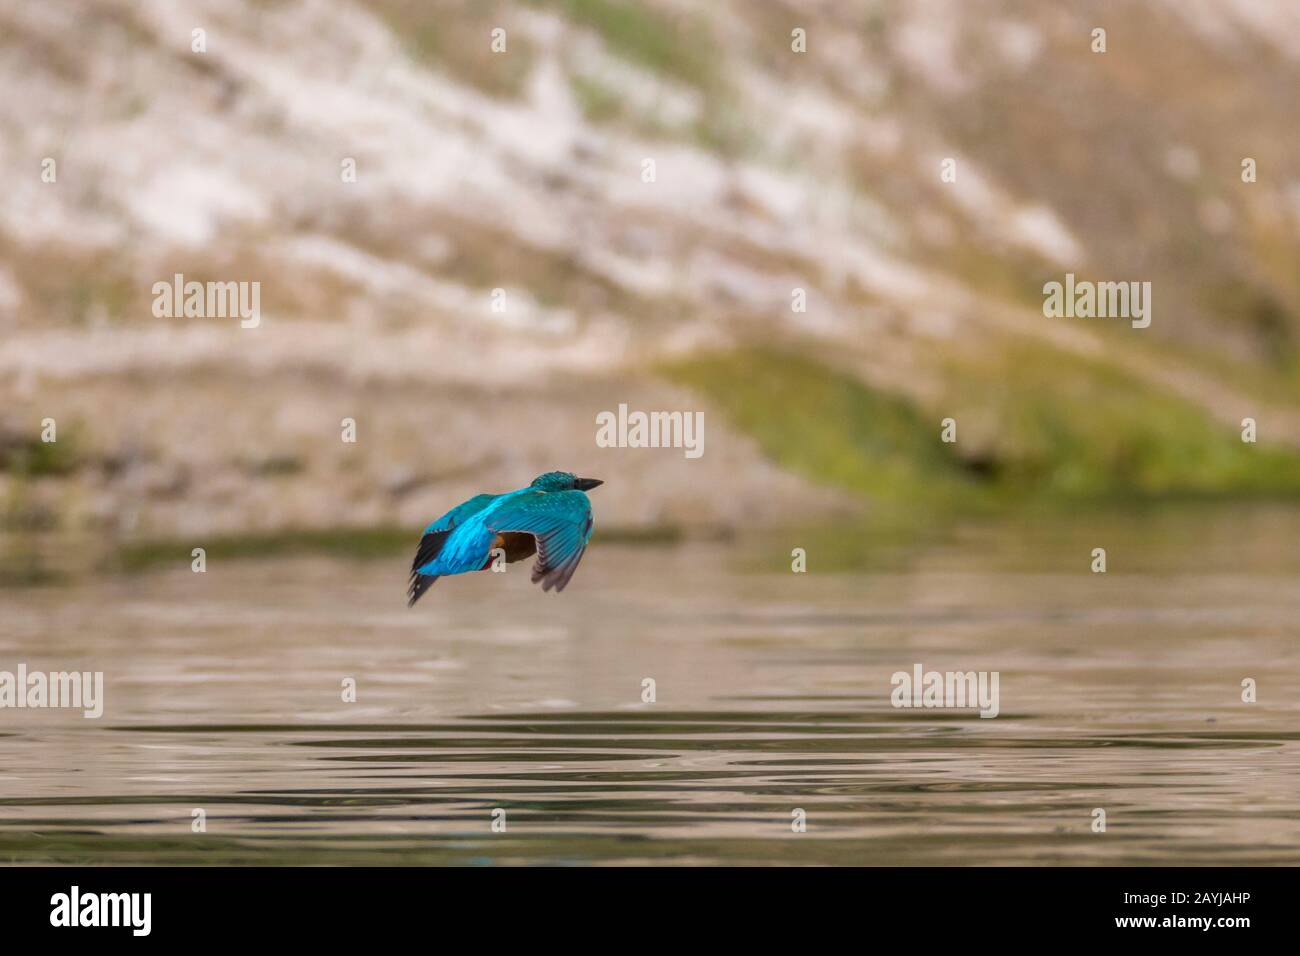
<point>1119,691</point>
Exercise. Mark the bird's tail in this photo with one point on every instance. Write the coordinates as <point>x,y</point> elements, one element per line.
<point>419,584</point>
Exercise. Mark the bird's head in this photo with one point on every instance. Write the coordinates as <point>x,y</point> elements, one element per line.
<point>564,481</point>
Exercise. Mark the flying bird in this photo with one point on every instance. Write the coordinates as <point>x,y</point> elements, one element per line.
<point>551,518</point>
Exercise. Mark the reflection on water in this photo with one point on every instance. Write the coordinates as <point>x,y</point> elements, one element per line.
<point>1119,691</point>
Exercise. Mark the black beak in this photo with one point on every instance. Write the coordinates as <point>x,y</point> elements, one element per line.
<point>586,484</point>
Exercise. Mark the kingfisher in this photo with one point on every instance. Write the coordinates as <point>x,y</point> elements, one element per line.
<point>550,518</point>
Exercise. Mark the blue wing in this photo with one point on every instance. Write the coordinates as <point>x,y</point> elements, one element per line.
<point>560,521</point>
<point>434,539</point>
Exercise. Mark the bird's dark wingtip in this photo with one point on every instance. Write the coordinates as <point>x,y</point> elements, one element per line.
<point>430,546</point>
<point>419,584</point>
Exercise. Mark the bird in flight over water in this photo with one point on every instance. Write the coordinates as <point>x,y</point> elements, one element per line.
<point>551,518</point>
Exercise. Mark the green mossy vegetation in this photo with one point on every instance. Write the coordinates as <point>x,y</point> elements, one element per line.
<point>829,427</point>
<point>29,457</point>
<point>680,49</point>
<point>1068,428</point>
<point>1059,430</point>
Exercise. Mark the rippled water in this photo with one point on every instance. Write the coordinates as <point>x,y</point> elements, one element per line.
<point>1119,691</point>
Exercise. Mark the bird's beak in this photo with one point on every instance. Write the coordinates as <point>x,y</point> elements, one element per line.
<point>586,484</point>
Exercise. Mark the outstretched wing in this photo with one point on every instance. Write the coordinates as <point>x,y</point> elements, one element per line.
<point>560,521</point>
<point>435,536</point>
